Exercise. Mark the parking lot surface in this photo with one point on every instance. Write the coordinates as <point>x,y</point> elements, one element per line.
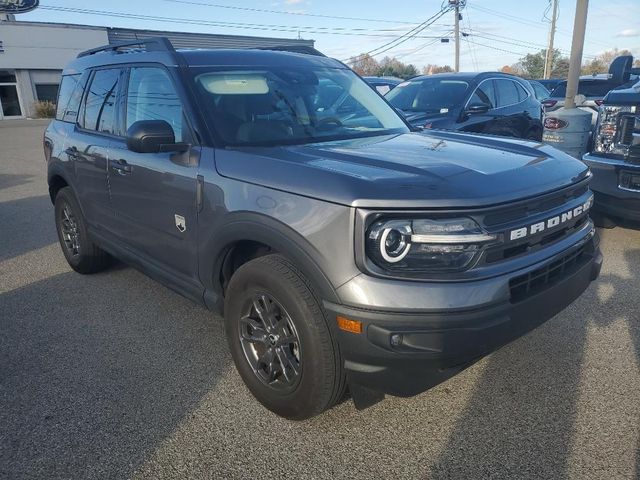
<point>114,376</point>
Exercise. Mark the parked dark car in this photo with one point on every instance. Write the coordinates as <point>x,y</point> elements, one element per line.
<point>490,103</point>
<point>615,158</point>
<point>359,255</point>
<point>383,84</point>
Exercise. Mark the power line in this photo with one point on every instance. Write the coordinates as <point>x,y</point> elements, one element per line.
<point>284,12</point>
<point>500,49</point>
<point>421,47</point>
<point>221,24</point>
<point>525,21</point>
<point>515,42</point>
<point>472,49</point>
<point>402,38</point>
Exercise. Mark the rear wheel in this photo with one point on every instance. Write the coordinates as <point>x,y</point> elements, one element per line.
<point>81,253</point>
<point>280,339</point>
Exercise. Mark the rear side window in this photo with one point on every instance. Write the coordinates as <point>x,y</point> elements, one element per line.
<point>522,92</point>
<point>100,101</point>
<point>485,93</point>
<point>508,93</point>
<point>69,96</point>
<point>151,96</point>
<point>541,91</point>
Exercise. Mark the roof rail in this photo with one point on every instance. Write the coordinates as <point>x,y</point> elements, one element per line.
<point>151,44</point>
<point>305,49</point>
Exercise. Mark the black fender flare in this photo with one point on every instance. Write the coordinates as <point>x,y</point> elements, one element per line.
<point>249,226</point>
<point>57,170</point>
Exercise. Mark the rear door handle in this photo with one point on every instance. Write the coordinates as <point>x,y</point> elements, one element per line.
<point>121,167</point>
<point>72,153</point>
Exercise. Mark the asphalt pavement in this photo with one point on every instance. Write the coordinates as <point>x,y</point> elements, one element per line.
<point>114,376</point>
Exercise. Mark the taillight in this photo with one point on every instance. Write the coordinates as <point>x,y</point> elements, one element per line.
<point>549,103</point>
<point>599,102</point>
<point>552,123</point>
<point>427,125</point>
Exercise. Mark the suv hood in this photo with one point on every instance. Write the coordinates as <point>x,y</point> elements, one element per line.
<point>413,170</point>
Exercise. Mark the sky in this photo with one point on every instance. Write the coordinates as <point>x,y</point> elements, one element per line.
<point>500,31</point>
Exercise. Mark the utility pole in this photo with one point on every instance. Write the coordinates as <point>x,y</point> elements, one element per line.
<point>577,45</point>
<point>457,34</point>
<point>548,61</point>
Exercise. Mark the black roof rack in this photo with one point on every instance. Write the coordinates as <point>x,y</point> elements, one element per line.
<point>152,44</point>
<point>294,49</point>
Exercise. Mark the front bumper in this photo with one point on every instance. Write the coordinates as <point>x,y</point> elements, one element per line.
<point>404,353</point>
<point>610,197</point>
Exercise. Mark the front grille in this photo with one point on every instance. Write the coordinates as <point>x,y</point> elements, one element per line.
<point>629,136</point>
<point>498,254</point>
<point>545,277</point>
<point>627,124</point>
<point>529,212</point>
<point>534,207</point>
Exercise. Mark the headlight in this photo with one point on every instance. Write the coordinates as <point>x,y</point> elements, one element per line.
<point>425,245</point>
<point>608,135</point>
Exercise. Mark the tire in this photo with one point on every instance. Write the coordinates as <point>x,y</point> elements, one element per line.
<point>271,307</point>
<point>81,253</point>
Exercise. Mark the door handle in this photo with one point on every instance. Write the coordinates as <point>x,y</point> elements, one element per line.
<point>121,167</point>
<point>72,153</point>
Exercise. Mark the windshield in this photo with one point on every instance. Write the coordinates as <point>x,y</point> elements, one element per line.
<point>429,95</point>
<point>287,105</point>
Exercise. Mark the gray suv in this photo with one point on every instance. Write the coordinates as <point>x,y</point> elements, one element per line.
<point>345,251</point>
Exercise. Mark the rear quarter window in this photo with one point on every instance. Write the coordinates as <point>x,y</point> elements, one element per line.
<point>69,96</point>
<point>509,92</point>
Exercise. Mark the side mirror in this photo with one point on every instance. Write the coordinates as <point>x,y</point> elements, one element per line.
<point>476,108</point>
<point>153,136</point>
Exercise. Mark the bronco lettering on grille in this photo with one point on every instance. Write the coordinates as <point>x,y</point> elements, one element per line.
<point>552,222</point>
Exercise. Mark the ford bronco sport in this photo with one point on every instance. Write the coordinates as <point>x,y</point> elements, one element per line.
<point>344,250</point>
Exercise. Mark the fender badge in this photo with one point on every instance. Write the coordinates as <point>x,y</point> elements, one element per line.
<point>181,223</point>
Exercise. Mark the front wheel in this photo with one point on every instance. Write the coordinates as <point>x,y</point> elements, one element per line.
<point>280,340</point>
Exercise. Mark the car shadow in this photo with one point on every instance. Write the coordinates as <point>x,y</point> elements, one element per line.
<point>96,371</point>
<point>525,403</point>
<point>13,180</point>
<point>17,220</point>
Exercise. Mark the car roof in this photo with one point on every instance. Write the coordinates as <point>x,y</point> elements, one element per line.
<point>466,75</point>
<point>383,79</point>
<point>204,57</point>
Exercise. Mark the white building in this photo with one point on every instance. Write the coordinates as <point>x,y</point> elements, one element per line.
<point>33,54</point>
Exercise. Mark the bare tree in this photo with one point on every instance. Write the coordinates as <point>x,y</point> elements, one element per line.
<point>600,64</point>
<point>431,69</point>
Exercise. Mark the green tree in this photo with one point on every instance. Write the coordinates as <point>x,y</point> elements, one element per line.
<point>560,68</point>
<point>392,67</point>
<point>532,64</point>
